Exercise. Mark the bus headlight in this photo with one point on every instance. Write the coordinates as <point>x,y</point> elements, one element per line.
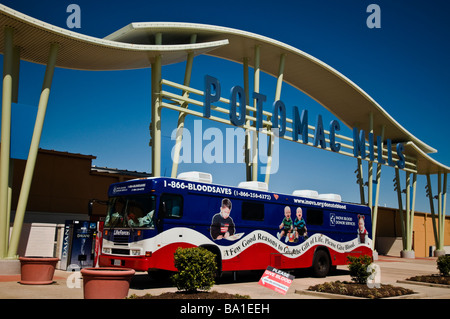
<point>135,252</point>
<point>106,250</point>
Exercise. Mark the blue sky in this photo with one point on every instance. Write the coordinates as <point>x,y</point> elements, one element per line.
<point>403,66</point>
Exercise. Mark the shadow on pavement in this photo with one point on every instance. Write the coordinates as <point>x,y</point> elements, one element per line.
<point>143,280</point>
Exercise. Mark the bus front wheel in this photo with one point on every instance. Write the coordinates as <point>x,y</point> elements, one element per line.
<point>321,264</point>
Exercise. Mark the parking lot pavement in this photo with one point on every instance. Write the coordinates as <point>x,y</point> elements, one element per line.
<point>392,270</point>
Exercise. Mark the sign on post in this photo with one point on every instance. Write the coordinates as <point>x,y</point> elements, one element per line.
<point>276,280</point>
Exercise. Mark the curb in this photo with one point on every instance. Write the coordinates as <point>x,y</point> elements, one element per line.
<point>421,283</point>
<point>328,295</point>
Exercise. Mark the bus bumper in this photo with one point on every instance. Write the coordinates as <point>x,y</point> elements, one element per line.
<point>138,263</point>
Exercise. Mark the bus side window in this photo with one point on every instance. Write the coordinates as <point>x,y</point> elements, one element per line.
<point>172,205</point>
<point>252,211</point>
<point>314,216</point>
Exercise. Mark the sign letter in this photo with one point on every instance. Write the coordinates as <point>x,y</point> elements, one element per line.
<point>334,126</point>
<point>278,106</point>
<point>235,120</point>
<point>319,136</point>
<point>359,143</point>
<point>300,126</point>
<point>210,82</point>
<point>259,99</point>
<point>401,156</point>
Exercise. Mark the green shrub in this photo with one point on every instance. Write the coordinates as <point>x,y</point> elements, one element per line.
<point>196,269</point>
<point>358,268</point>
<point>443,264</point>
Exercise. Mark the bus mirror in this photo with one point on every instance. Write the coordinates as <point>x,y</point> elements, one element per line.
<point>162,210</point>
<point>90,206</point>
<point>161,215</point>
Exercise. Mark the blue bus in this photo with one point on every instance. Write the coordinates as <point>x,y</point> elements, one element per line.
<point>246,227</point>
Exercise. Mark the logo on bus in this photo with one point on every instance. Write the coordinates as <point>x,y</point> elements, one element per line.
<point>332,219</point>
<point>121,232</point>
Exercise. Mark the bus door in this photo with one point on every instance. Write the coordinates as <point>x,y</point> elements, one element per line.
<point>170,213</point>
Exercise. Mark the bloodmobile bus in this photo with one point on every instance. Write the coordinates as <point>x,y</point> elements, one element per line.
<point>246,227</point>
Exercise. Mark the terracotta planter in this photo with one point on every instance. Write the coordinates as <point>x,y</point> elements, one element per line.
<point>106,282</point>
<point>37,270</point>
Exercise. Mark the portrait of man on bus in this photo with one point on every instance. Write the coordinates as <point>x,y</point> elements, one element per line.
<point>222,225</point>
<point>300,225</point>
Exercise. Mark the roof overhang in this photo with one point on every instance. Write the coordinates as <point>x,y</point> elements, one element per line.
<point>82,52</point>
<point>133,47</point>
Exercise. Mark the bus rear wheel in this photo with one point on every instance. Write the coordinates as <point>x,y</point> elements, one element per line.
<point>321,264</point>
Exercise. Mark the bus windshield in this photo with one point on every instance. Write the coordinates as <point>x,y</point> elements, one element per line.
<point>131,211</point>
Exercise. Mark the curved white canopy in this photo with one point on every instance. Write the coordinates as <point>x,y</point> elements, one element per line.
<point>133,47</point>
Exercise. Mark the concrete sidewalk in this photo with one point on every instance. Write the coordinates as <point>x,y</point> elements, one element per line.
<point>393,270</point>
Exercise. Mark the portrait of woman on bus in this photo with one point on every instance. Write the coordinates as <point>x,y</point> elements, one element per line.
<point>362,232</point>
<point>222,225</point>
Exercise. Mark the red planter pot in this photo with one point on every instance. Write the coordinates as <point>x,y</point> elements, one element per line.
<point>37,270</point>
<point>106,282</point>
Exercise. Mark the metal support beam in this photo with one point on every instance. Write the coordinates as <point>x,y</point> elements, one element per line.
<point>408,231</point>
<point>370,170</point>
<point>429,192</point>
<point>441,197</point>
<point>277,97</point>
<point>257,73</point>
<point>413,208</point>
<point>360,181</point>
<point>15,72</point>
<point>32,155</point>
<point>6,138</point>
<point>182,116</point>
<point>247,144</point>
<point>377,195</point>
<point>397,187</point>
<point>444,206</point>
<point>155,125</point>
<point>438,228</point>
<point>408,227</point>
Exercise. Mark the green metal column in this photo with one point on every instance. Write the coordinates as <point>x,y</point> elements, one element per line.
<point>277,97</point>
<point>408,216</point>
<point>413,207</point>
<point>444,205</point>
<point>155,125</point>
<point>400,204</point>
<point>247,151</point>
<point>410,206</point>
<point>32,155</point>
<point>429,192</point>
<point>257,73</point>
<point>370,170</point>
<point>360,180</point>
<point>377,194</point>
<point>6,139</point>
<point>442,196</point>
<point>181,115</point>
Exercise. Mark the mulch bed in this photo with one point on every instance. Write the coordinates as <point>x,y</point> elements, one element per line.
<point>432,279</point>
<point>360,290</point>
<point>192,295</point>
